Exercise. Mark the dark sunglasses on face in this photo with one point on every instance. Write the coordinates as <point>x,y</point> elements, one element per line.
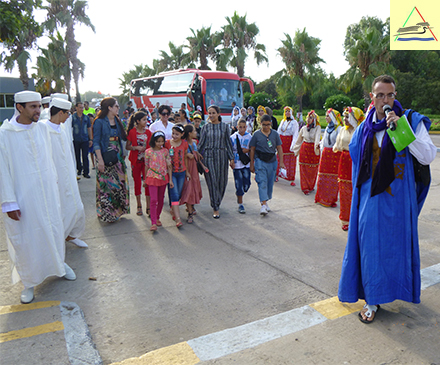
<point>165,114</point>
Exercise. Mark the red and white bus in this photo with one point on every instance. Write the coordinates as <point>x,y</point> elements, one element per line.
<point>192,87</point>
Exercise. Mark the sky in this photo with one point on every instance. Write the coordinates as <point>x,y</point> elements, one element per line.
<point>133,32</point>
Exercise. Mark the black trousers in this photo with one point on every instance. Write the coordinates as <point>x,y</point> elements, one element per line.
<point>82,151</point>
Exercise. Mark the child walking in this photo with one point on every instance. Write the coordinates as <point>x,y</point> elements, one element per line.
<point>137,142</point>
<point>192,190</point>
<point>242,172</point>
<point>158,175</point>
<point>178,152</point>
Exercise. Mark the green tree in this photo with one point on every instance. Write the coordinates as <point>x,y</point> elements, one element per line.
<point>17,42</point>
<point>14,16</point>
<point>238,37</point>
<point>52,69</point>
<point>136,73</point>
<point>202,45</point>
<point>69,13</point>
<point>175,59</point>
<point>300,55</point>
<point>366,50</point>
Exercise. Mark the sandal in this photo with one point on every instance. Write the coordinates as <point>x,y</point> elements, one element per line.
<point>139,212</point>
<point>179,223</point>
<point>369,313</point>
<point>172,215</point>
<point>148,211</point>
<point>153,228</point>
<point>158,223</point>
<point>190,218</point>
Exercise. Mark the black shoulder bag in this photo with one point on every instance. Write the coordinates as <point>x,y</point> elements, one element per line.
<point>244,158</point>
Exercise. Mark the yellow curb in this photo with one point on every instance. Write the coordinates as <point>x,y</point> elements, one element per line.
<point>332,308</point>
<point>31,331</point>
<point>26,307</point>
<point>180,353</point>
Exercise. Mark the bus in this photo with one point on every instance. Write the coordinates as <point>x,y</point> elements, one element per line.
<point>192,87</point>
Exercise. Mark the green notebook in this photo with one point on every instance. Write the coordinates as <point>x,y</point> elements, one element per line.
<point>403,135</point>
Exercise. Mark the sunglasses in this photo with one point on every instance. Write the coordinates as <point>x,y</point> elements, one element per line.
<point>165,114</point>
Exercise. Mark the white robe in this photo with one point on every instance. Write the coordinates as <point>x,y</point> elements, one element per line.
<point>72,207</point>
<point>28,179</point>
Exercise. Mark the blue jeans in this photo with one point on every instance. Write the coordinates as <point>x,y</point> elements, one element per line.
<point>176,192</point>
<point>242,179</point>
<point>265,177</point>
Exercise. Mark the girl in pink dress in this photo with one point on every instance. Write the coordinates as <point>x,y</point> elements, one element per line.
<point>158,175</point>
<point>192,190</point>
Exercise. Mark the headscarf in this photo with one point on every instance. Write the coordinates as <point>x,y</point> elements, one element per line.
<point>384,173</point>
<point>335,122</point>
<point>257,124</point>
<point>315,120</point>
<point>251,117</point>
<point>355,116</point>
<point>291,113</point>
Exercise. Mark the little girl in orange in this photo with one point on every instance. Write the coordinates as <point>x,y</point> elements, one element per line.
<point>158,175</point>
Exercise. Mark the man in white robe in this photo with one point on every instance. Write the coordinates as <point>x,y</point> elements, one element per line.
<point>72,207</point>
<point>30,199</point>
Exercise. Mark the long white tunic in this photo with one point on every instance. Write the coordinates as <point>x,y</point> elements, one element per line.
<point>28,179</point>
<point>72,207</point>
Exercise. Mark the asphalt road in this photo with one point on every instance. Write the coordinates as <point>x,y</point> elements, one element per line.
<point>157,290</point>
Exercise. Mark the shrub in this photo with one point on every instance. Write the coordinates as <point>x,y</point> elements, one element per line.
<point>263,99</point>
<point>338,102</point>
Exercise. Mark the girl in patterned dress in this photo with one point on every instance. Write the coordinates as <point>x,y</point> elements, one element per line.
<point>158,175</point>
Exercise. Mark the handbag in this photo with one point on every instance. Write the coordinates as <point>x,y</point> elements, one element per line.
<point>244,158</point>
<point>200,168</point>
<point>110,157</point>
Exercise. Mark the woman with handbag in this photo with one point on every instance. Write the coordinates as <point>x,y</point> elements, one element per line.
<point>192,190</point>
<point>112,194</point>
<point>264,145</point>
<point>242,173</point>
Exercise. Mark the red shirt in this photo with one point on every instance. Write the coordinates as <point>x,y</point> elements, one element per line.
<point>177,155</point>
<point>133,138</point>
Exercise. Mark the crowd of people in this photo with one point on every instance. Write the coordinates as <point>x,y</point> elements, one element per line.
<point>168,151</point>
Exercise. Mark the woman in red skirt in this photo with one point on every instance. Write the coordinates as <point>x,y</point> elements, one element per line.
<point>352,117</point>
<point>307,145</point>
<point>327,185</point>
<point>288,131</point>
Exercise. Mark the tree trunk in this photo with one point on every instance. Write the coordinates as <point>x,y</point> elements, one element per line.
<point>24,78</point>
<point>72,52</point>
<point>367,100</point>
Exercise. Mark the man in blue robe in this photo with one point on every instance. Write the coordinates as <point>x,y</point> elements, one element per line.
<point>382,261</point>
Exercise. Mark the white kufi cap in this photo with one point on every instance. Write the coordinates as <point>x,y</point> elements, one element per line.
<point>27,96</point>
<point>60,103</point>
<point>45,100</point>
<point>60,96</point>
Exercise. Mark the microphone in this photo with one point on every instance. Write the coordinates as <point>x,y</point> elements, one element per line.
<point>386,110</point>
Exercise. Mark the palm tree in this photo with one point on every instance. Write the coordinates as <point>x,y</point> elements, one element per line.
<point>68,13</point>
<point>16,44</point>
<point>53,67</point>
<point>300,56</point>
<point>202,46</point>
<point>368,57</point>
<point>176,59</point>
<point>238,36</point>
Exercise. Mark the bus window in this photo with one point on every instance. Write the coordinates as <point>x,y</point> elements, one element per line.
<point>223,93</point>
<point>175,84</point>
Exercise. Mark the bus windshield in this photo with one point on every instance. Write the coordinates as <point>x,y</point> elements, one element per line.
<point>172,84</point>
<point>222,93</point>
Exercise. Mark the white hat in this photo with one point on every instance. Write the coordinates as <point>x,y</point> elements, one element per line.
<point>60,96</point>
<point>45,100</point>
<point>27,96</point>
<point>60,103</point>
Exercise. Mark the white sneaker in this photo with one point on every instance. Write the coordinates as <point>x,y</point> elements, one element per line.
<point>267,208</point>
<point>27,295</point>
<point>70,274</point>
<point>263,210</point>
<point>79,243</point>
